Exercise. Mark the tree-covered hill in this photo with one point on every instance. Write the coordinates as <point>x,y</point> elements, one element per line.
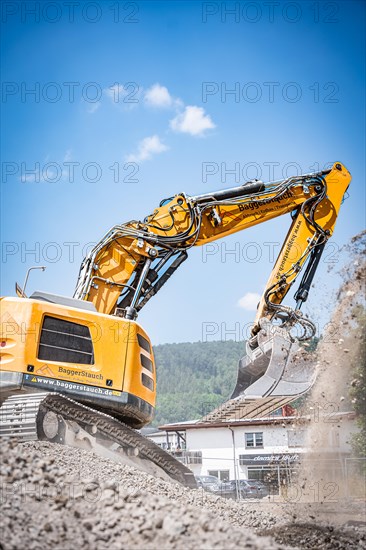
<point>194,378</point>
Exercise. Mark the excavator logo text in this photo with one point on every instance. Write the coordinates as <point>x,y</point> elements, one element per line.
<point>70,372</point>
<point>255,205</point>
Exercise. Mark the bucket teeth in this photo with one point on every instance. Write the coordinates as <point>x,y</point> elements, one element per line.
<point>277,367</point>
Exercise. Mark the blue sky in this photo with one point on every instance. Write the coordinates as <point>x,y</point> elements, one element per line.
<point>145,91</point>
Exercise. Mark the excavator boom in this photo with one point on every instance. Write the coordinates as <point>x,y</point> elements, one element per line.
<point>163,239</point>
<point>90,350</point>
<point>133,260</point>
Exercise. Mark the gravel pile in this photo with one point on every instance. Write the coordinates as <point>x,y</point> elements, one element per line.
<point>99,471</point>
<point>63,498</point>
<point>321,537</point>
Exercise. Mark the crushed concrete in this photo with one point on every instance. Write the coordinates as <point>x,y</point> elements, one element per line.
<point>64,498</point>
<point>321,537</point>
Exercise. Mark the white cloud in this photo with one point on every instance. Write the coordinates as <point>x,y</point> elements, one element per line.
<point>192,121</point>
<point>148,147</point>
<point>158,96</point>
<point>115,92</point>
<point>126,95</point>
<point>67,155</point>
<point>249,301</point>
<point>93,107</point>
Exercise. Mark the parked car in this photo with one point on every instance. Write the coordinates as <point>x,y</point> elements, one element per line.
<point>244,488</point>
<point>209,483</point>
<point>264,489</point>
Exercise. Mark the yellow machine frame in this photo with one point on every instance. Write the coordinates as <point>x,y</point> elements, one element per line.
<point>132,262</point>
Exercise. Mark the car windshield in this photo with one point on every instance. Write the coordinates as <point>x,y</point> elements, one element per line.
<point>245,483</point>
<point>209,479</point>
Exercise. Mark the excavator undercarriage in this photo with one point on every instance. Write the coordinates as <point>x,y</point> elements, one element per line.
<point>55,418</point>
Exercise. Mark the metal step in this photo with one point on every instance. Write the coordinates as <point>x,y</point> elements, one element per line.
<point>18,416</point>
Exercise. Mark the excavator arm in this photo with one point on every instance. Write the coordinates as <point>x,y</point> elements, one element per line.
<point>134,260</point>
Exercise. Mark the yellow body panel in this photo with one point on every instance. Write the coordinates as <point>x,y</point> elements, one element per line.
<point>300,233</point>
<point>116,264</point>
<point>115,342</point>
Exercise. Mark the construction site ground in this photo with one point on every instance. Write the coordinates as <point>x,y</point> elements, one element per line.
<point>64,498</point>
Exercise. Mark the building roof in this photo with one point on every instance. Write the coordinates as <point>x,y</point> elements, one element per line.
<point>273,420</point>
<point>147,430</point>
<point>239,409</point>
<point>243,407</point>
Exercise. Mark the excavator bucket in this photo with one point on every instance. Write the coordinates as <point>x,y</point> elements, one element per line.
<point>278,367</point>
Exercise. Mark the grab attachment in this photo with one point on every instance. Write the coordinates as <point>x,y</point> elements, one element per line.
<point>277,367</point>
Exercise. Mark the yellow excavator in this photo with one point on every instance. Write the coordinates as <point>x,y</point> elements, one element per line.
<point>81,370</point>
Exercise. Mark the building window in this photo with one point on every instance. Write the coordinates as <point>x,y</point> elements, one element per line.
<point>254,440</point>
<point>192,457</point>
<point>222,475</point>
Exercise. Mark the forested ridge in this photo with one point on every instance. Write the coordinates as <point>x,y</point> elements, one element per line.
<point>193,378</point>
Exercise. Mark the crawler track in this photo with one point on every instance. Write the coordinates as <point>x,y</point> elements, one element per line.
<point>58,419</point>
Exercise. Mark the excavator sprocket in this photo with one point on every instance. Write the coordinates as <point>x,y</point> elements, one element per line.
<point>277,367</point>
<point>55,418</point>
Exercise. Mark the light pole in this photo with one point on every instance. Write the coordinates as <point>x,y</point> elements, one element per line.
<point>27,275</point>
<point>235,465</point>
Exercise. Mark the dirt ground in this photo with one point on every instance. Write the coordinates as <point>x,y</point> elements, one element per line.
<point>58,497</point>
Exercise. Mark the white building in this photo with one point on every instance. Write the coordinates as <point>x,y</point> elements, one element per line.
<point>257,448</point>
<point>166,439</point>
<point>244,448</point>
